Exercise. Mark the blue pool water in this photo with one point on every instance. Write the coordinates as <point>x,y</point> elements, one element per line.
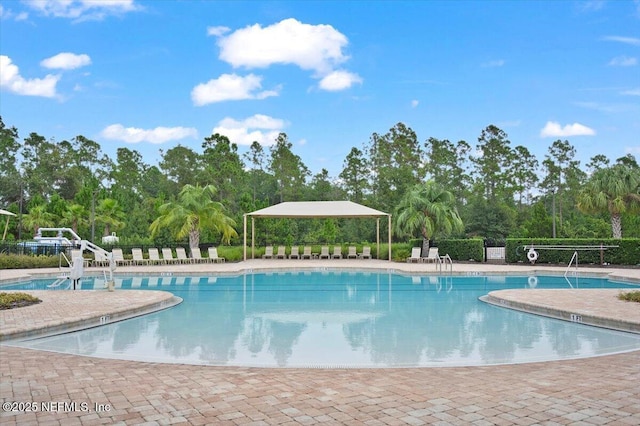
<point>339,319</point>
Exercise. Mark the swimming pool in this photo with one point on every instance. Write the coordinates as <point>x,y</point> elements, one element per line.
<point>339,319</point>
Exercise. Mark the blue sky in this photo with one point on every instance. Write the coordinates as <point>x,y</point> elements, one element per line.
<point>149,75</point>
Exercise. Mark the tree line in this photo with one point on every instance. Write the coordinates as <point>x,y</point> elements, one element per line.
<point>497,190</point>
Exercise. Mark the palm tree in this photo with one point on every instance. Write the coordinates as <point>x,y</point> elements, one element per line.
<point>615,190</point>
<point>427,209</point>
<point>110,213</point>
<point>194,211</point>
<point>75,216</point>
<point>38,217</point>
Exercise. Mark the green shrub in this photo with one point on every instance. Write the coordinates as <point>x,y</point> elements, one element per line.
<point>462,249</point>
<point>632,296</point>
<point>23,261</point>
<point>627,252</point>
<point>17,300</point>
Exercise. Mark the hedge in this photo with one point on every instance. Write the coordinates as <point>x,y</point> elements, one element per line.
<point>627,252</point>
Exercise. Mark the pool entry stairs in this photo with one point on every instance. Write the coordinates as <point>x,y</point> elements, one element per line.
<point>72,273</point>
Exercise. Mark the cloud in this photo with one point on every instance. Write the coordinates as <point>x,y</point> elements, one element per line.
<point>11,80</point>
<point>623,61</point>
<point>414,103</point>
<point>311,47</point>
<point>493,64</point>
<point>217,31</point>
<point>631,92</point>
<point>8,14</point>
<point>627,40</point>
<point>81,10</point>
<point>553,129</point>
<point>230,87</point>
<point>339,80</point>
<point>157,136</point>
<point>66,61</point>
<point>260,128</point>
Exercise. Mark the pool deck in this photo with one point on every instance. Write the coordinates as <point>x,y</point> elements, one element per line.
<point>592,391</point>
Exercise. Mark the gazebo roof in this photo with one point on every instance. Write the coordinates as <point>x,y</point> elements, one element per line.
<point>316,209</point>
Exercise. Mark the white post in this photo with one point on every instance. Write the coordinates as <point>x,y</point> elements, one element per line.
<point>244,246</point>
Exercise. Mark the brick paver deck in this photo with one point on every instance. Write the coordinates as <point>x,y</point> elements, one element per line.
<point>593,391</point>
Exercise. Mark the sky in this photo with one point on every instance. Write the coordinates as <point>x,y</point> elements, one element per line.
<point>151,75</point>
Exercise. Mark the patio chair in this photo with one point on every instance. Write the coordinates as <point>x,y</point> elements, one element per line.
<point>306,253</point>
<point>138,258</point>
<point>213,255</point>
<point>154,256</point>
<point>281,253</point>
<point>324,252</point>
<point>99,259</point>
<point>196,256</point>
<point>181,255</point>
<point>167,256</point>
<point>352,253</point>
<point>432,256</point>
<point>78,253</point>
<point>337,252</point>
<point>295,254</point>
<point>268,253</point>
<point>118,257</point>
<point>366,253</point>
<point>415,255</point>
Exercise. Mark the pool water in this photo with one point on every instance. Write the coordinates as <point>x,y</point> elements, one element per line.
<point>339,319</point>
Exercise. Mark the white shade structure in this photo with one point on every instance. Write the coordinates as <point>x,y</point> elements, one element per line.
<point>316,210</point>
<point>6,224</point>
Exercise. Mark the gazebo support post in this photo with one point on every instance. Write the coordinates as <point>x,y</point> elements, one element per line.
<point>253,231</point>
<point>389,238</point>
<point>244,247</point>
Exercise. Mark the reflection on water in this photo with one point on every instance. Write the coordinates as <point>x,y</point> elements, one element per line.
<point>339,319</point>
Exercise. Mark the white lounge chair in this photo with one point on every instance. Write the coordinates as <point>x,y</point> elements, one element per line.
<point>181,254</point>
<point>281,253</point>
<point>154,256</point>
<point>352,253</point>
<point>306,253</point>
<point>167,256</point>
<point>213,255</point>
<point>295,253</point>
<point>196,256</point>
<point>415,255</point>
<point>118,257</point>
<point>337,252</point>
<point>324,252</point>
<point>268,253</point>
<point>138,257</point>
<point>366,253</point>
<point>432,256</point>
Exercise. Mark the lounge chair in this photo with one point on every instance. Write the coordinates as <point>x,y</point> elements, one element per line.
<point>268,253</point>
<point>154,256</point>
<point>324,252</point>
<point>294,253</point>
<point>432,256</point>
<point>281,253</point>
<point>167,256</point>
<point>118,257</point>
<point>366,253</point>
<point>78,253</point>
<point>138,258</point>
<point>213,255</point>
<point>415,255</point>
<point>196,256</point>
<point>352,254</point>
<point>306,253</point>
<point>337,252</point>
<point>181,254</point>
<point>99,259</point>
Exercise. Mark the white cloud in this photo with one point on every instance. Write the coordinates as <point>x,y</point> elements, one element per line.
<point>623,61</point>
<point>311,47</point>
<point>553,129</point>
<point>260,128</point>
<point>11,80</point>
<point>80,10</point>
<point>339,80</point>
<point>414,103</point>
<point>230,87</point>
<point>627,40</point>
<point>8,14</point>
<point>217,31</point>
<point>493,64</point>
<point>157,136</point>
<point>66,61</point>
<point>632,92</point>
